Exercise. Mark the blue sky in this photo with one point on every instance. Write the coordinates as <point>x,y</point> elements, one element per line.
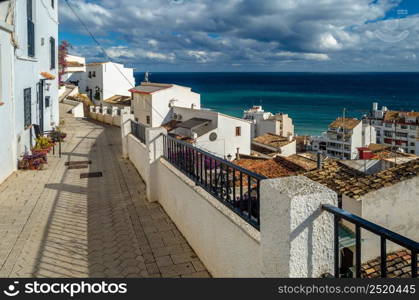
<point>248,35</point>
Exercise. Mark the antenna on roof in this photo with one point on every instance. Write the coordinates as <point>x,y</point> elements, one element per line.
<point>146,77</point>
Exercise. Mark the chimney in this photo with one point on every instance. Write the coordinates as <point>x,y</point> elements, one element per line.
<point>319,161</point>
<point>375,106</point>
<point>238,154</point>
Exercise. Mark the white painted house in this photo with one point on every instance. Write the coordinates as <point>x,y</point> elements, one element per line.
<point>219,134</point>
<point>29,85</point>
<point>266,122</point>
<point>8,143</point>
<point>102,81</point>
<point>157,105</point>
<point>343,138</point>
<point>76,66</point>
<point>152,102</point>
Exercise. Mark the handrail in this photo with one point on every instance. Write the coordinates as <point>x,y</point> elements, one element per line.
<point>384,234</point>
<point>228,163</point>
<point>374,228</point>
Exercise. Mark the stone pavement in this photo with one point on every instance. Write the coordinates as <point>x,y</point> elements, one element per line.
<point>54,224</point>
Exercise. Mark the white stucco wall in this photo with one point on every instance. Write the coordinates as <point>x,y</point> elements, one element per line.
<point>227,246</point>
<point>156,105</point>
<point>139,156</point>
<point>225,127</point>
<point>395,208</point>
<point>296,235</point>
<point>8,161</point>
<point>27,69</point>
<point>289,149</point>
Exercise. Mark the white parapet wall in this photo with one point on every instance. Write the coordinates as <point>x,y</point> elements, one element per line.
<point>108,115</point>
<point>295,238</point>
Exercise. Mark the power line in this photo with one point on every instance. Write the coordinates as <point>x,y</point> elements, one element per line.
<point>104,51</point>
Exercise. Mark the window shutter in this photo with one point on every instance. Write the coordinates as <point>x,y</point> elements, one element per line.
<point>27,107</point>
<point>52,45</point>
<point>31,29</point>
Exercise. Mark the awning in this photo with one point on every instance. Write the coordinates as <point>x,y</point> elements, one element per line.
<point>47,76</point>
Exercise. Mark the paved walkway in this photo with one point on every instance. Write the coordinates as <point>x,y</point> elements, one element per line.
<point>54,224</point>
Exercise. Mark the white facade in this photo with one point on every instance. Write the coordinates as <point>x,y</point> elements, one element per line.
<point>227,135</point>
<point>152,102</point>
<point>75,65</point>
<point>266,122</point>
<point>397,129</point>
<point>343,143</point>
<point>104,80</point>
<point>8,143</point>
<point>29,97</point>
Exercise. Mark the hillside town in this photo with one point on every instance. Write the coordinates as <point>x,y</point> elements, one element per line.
<point>82,137</point>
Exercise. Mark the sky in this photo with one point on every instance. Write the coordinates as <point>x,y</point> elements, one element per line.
<point>247,35</point>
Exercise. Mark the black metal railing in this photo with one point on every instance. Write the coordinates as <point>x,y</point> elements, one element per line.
<point>138,130</point>
<point>384,234</point>
<point>235,187</point>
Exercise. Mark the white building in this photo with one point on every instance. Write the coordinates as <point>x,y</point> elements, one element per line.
<point>76,66</point>
<point>266,122</point>
<point>219,134</point>
<point>395,128</point>
<point>105,80</point>
<point>152,102</point>
<point>343,138</point>
<point>29,83</point>
<point>178,109</point>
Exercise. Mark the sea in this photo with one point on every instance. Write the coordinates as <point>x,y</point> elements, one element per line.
<point>312,100</point>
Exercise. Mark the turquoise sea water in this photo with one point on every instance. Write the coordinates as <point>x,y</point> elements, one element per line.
<point>313,100</point>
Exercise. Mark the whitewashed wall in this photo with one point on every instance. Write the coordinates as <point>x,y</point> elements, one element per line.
<point>395,208</point>
<point>27,70</point>
<point>8,161</point>
<point>295,239</point>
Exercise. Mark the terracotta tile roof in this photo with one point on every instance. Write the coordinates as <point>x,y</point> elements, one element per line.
<point>266,167</point>
<point>346,181</point>
<point>345,123</point>
<point>399,116</point>
<point>272,140</point>
<point>378,147</point>
<point>398,266</point>
<point>74,64</point>
<point>118,99</point>
<point>304,163</point>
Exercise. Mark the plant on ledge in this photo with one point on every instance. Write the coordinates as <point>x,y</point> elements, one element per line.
<point>36,161</point>
<point>57,135</point>
<point>43,145</point>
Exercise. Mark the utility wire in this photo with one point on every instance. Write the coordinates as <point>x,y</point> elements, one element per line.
<point>104,51</point>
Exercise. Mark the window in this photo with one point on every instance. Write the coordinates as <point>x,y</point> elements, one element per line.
<point>148,120</point>
<point>52,50</point>
<point>53,3</point>
<point>31,29</point>
<point>47,101</point>
<point>238,131</point>
<point>94,74</point>
<point>27,102</point>
<point>90,74</point>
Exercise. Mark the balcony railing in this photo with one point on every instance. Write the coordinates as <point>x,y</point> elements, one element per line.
<point>384,234</point>
<point>138,130</point>
<point>235,187</point>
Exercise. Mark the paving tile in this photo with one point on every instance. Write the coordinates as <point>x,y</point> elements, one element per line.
<point>58,225</point>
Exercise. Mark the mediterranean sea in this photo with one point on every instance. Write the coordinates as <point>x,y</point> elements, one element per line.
<point>312,100</point>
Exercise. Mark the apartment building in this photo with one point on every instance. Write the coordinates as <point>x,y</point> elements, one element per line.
<point>29,83</point>
<point>343,138</point>
<point>266,122</point>
<point>399,129</point>
<point>104,80</point>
